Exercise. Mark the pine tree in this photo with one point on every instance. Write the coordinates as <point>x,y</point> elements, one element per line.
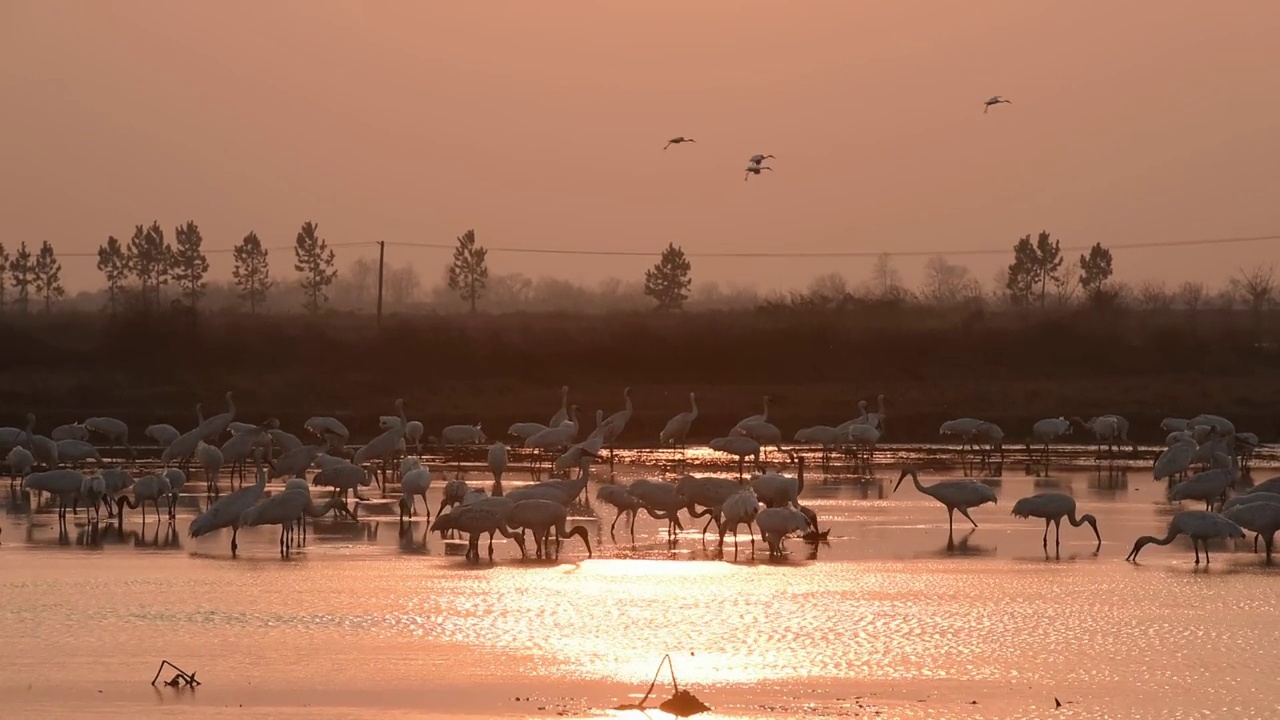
<point>22,270</point>
<point>48,276</point>
<point>113,263</point>
<point>668,281</point>
<point>469,273</point>
<point>1095,269</point>
<point>189,262</point>
<point>150,259</point>
<point>315,262</point>
<point>1048,262</point>
<point>251,272</point>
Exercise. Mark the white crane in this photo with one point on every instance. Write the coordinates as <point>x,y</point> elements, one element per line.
<point>677,140</point>
<point>284,441</point>
<point>613,425</point>
<point>413,433</point>
<point>777,523</point>
<point>1199,525</point>
<point>63,484</point>
<point>286,509</point>
<point>226,512</point>
<point>660,497</point>
<point>210,460</point>
<point>330,429</point>
<point>993,101</point>
<point>77,451</point>
<point>1208,486</point>
<point>20,460</point>
<point>1175,460</point>
<point>211,429</point>
<point>1052,507</point>
<point>709,492</point>
<point>677,428</point>
<point>1249,498</point>
<point>71,431</point>
<point>1105,429</point>
<point>864,439</point>
<point>1262,518</point>
<point>525,430</point>
<point>295,463</point>
<point>542,517</point>
<point>148,489</point>
<point>117,431</point>
<point>762,432</point>
<point>954,495</point>
<point>740,508</point>
<point>476,520</point>
<point>964,428</point>
<point>824,436</point>
<point>385,446</point>
<point>739,445</point>
<point>162,433</point>
<point>1173,424</point>
<point>562,414</point>
<point>416,482</point>
<point>1046,431</point>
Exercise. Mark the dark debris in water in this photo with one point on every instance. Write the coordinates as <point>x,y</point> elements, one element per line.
<point>181,679</point>
<point>682,703</point>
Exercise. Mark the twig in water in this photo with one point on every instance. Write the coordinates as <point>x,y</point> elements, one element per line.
<point>183,678</point>
<point>681,704</point>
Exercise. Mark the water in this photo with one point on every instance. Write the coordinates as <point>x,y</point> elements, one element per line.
<point>891,618</point>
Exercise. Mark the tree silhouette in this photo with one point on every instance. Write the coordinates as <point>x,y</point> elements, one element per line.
<point>113,263</point>
<point>189,262</point>
<point>1257,286</point>
<point>469,274</point>
<point>668,281</point>
<point>1048,262</point>
<point>314,259</point>
<point>48,276</point>
<point>1033,265</point>
<point>4,284</point>
<point>1021,277</point>
<point>22,271</point>
<point>886,281</point>
<point>150,259</point>
<point>1095,269</point>
<point>946,283</point>
<point>251,272</point>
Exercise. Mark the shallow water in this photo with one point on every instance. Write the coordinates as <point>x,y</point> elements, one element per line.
<point>891,618</point>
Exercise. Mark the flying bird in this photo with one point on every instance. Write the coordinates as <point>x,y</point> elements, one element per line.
<point>993,100</point>
<point>758,158</point>
<point>677,140</point>
<point>755,170</point>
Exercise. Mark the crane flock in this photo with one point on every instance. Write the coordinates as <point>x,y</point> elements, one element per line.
<point>1203,462</point>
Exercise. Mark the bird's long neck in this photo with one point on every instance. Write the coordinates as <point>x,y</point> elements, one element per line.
<point>1173,533</point>
<point>231,407</point>
<point>915,480</point>
<point>764,417</point>
<point>693,407</point>
<point>1077,522</point>
<point>880,404</point>
<point>800,477</point>
<point>315,511</point>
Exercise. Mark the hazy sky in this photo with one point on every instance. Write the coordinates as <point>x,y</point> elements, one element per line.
<point>541,124</point>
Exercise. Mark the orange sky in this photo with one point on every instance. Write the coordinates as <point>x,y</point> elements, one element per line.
<point>542,123</point>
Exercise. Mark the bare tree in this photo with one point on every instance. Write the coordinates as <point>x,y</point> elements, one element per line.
<point>831,285</point>
<point>946,283</point>
<point>886,281</point>
<point>1066,284</point>
<point>1256,286</point>
<point>1191,295</point>
<point>402,285</point>
<point>1153,295</point>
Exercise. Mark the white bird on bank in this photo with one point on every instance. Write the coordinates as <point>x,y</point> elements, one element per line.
<point>677,428</point>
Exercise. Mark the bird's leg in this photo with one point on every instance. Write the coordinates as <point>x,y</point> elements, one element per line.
<point>633,527</point>
<point>1206,551</point>
<point>951,524</point>
<point>965,513</point>
<point>1195,545</point>
<point>1045,542</point>
<point>614,525</point>
<point>234,546</point>
<point>1057,536</point>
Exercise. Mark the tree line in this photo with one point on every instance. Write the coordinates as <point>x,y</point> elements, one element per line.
<point>136,271</point>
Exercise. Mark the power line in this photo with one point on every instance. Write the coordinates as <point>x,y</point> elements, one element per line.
<point>797,255</point>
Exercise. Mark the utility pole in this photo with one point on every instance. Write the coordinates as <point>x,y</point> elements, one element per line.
<point>382,251</point>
